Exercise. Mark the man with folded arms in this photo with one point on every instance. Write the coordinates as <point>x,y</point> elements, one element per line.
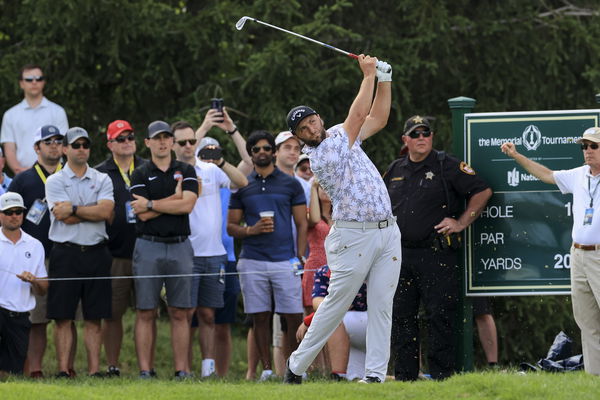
<point>164,193</point>
<point>81,200</point>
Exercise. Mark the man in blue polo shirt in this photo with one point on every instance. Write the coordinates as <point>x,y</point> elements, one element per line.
<point>267,205</point>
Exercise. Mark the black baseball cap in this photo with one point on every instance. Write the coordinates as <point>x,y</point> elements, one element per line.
<point>415,122</point>
<point>157,127</point>
<point>297,114</point>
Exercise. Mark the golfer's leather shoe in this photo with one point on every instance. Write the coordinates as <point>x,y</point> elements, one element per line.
<point>289,377</point>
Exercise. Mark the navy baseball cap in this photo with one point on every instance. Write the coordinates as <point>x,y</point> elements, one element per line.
<point>157,127</point>
<point>297,114</point>
<point>45,132</point>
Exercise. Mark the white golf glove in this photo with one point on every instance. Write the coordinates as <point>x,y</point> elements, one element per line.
<point>384,72</point>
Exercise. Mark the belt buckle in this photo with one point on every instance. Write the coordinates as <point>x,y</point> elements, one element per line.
<point>383,224</point>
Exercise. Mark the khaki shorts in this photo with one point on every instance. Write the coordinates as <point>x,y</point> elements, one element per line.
<point>122,289</point>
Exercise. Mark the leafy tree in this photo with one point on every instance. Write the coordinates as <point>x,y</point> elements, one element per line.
<point>143,60</point>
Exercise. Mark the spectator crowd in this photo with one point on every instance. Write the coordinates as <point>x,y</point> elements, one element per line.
<point>164,229</point>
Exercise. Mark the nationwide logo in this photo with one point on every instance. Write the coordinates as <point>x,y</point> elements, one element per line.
<point>513,177</point>
<point>532,137</point>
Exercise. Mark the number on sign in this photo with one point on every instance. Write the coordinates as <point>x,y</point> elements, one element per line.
<point>569,209</point>
<point>562,261</point>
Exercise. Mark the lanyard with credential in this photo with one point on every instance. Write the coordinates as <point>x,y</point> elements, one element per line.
<point>123,174</point>
<point>592,194</point>
<point>41,174</point>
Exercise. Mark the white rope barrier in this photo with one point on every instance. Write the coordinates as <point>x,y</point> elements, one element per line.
<point>96,278</point>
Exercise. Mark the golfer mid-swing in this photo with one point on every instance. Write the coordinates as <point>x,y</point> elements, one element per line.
<point>364,241</point>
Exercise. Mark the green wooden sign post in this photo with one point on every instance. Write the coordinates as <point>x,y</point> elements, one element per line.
<point>459,106</point>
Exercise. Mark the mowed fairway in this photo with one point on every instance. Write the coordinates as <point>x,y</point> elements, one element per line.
<point>491,385</point>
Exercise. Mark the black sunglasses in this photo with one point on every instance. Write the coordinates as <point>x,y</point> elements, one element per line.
<point>11,212</point>
<point>593,146</point>
<point>416,134</point>
<point>267,148</point>
<point>49,142</point>
<point>190,141</point>
<point>122,139</point>
<point>85,145</point>
<point>33,78</point>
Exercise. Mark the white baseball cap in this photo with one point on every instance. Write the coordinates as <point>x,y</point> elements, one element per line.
<point>11,200</point>
<point>284,136</point>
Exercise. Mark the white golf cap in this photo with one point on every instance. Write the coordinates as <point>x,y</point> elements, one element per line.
<point>285,136</point>
<point>11,200</point>
<point>303,157</point>
<point>591,134</point>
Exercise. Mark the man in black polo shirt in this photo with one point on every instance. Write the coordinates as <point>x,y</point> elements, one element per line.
<point>31,185</point>
<point>121,233</point>
<point>427,190</point>
<point>164,192</point>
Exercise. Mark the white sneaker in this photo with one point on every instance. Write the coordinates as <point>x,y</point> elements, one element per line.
<point>208,367</point>
<point>266,375</point>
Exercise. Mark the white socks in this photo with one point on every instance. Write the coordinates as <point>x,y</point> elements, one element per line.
<point>208,367</point>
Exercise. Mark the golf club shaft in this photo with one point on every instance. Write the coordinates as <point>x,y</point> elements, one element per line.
<point>306,38</point>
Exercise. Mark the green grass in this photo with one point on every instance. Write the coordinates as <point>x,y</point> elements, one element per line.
<point>163,355</point>
<point>487,385</point>
<point>490,385</point>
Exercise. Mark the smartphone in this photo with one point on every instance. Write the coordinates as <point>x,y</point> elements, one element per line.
<point>210,153</point>
<point>217,104</point>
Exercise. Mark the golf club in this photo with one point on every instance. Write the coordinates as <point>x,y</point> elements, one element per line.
<point>240,24</point>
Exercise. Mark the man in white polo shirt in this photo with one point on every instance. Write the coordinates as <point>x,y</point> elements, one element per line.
<point>21,121</point>
<point>210,256</point>
<point>21,264</point>
<point>583,183</point>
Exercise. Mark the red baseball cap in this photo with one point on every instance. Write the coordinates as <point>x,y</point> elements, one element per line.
<point>117,127</point>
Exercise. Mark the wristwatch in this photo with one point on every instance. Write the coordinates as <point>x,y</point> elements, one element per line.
<point>74,210</point>
<point>149,205</point>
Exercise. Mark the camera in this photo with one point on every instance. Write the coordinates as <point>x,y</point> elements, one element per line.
<point>217,104</point>
<point>210,153</point>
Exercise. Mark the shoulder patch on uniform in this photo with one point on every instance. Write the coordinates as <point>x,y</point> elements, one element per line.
<point>400,178</point>
<point>466,168</point>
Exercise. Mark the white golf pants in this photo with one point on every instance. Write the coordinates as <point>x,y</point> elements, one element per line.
<point>355,255</point>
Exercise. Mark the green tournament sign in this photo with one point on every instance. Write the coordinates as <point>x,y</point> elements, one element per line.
<point>520,244</point>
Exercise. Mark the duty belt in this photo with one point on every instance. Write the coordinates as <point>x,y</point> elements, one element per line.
<point>367,224</point>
